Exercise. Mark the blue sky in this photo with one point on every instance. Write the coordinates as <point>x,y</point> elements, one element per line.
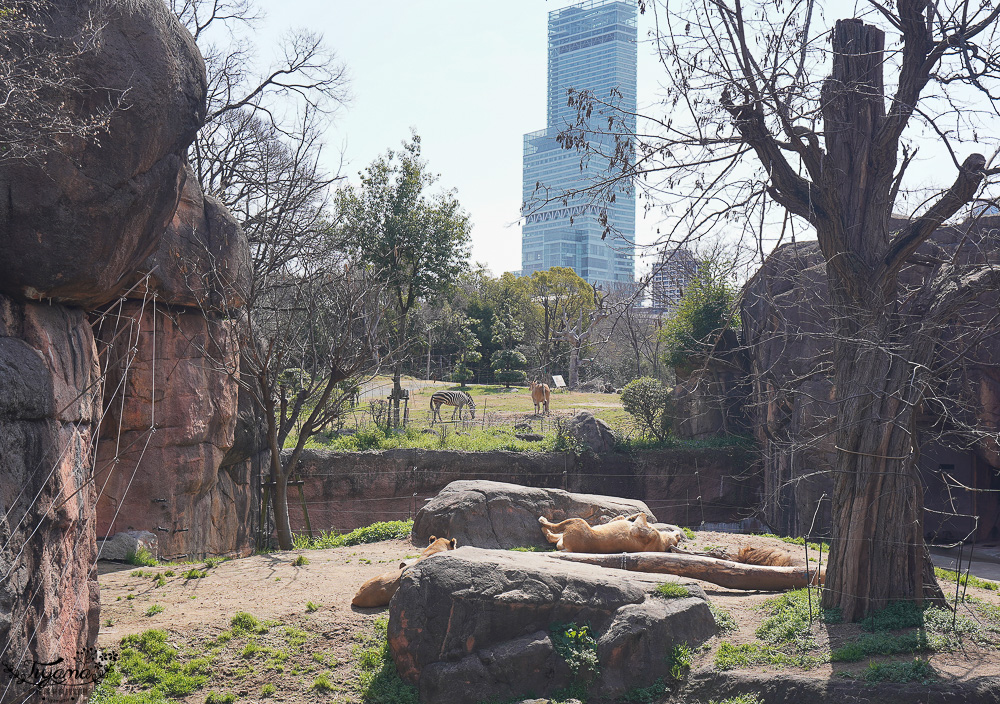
<point>469,76</point>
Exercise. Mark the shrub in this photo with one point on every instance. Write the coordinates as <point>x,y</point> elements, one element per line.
<point>508,366</point>
<point>154,609</point>
<point>649,402</point>
<point>705,311</point>
<point>140,558</point>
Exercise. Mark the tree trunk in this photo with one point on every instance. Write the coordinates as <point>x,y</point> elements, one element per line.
<point>732,575</point>
<point>279,480</point>
<point>878,553</point>
<point>574,365</point>
<point>397,393</point>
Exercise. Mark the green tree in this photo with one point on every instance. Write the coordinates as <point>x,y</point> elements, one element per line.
<point>466,356</point>
<point>558,295</point>
<point>419,243</point>
<point>706,310</point>
<point>509,367</point>
<point>650,403</point>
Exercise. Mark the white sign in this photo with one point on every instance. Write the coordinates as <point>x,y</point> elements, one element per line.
<point>558,381</point>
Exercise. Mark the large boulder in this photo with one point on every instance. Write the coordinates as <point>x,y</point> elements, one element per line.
<point>591,432</point>
<point>497,515</point>
<point>203,259</point>
<point>49,411</point>
<point>478,625</point>
<point>76,225</point>
<point>167,430</point>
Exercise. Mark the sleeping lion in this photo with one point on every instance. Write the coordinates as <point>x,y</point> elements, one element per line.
<point>377,591</point>
<point>632,534</point>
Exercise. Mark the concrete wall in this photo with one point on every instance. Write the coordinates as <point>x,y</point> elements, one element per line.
<point>345,490</point>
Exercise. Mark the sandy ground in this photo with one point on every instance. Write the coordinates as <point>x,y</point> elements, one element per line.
<point>271,587</point>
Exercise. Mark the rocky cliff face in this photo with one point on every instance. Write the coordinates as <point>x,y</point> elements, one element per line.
<point>787,331</point>
<point>74,229</point>
<point>49,412</point>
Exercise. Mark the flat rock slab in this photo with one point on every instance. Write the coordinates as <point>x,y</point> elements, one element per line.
<point>488,514</point>
<point>476,625</point>
<point>777,688</point>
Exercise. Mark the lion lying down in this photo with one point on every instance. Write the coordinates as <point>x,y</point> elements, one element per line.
<point>632,534</point>
<point>377,591</point>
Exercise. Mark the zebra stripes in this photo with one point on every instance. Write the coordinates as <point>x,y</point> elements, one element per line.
<point>451,398</point>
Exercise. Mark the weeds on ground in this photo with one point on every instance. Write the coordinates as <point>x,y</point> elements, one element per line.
<point>914,671</point>
<point>154,609</point>
<point>724,620</point>
<point>216,698</point>
<point>148,661</point>
<point>679,661</point>
<point>377,681</point>
<point>971,580</point>
<point>300,561</point>
<point>688,533</point>
<point>671,590</point>
<point>194,573</point>
<point>376,532</point>
<point>141,557</point>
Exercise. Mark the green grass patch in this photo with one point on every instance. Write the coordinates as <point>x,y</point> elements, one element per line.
<point>311,607</point>
<point>377,681</point>
<point>724,620</point>
<point>788,620</point>
<point>267,690</point>
<point>671,590</point>
<point>688,533</point>
<point>244,624</point>
<point>300,561</point>
<point>154,609</point>
<point>533,548</point>
<point>740,699</point>
<point>194,573</point>
<point>915,671</point>
<point>141,558</point>
<point>970,579</point>
<point>679,661</point>
<point>882,643</point>
<point>322,684</point>
<point>148,662</point>
<point>732,657</point>
<point>376,532</point>
<point>216,698</point>
<point>896,615</point>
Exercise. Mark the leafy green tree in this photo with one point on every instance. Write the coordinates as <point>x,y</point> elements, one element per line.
<point>557,295</point>
<point>419,243</point>
<point>508,366</point>
<point>650,403</point>
<point>468,355</point>
<point>706,310</point>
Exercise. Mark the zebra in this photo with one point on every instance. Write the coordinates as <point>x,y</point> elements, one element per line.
<point>451,398</point>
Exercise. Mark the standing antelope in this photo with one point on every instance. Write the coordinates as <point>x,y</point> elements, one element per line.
<point>451,398</point>
<point>540,395</point>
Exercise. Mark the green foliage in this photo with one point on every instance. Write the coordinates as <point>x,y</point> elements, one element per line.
<point>154,609</point>
<point>244,624</point>
<point>578,648</point>
<point>141,558</point>
<point>896,615</point>
<point>467,355</point>
<point>646,695</point>
<point>799,541</point>
<point>311,607</point>
<point>649,402</point>
<point>679,661</point>
<point>194,573</point>
<point>740,699</point>
<point>267,690</point>
<point>971,580</point>
<point>159,581</point>
<point>374,533</point>
<point>688,533</point>
<point>724,620</point>
<point>216,698</point>
<point>378,680</point>
<point>322,684</point>
<point>881,644</point>
<point>300,561</point>
<point>915,671</point>
<point>533,548</point>
<point>671,590</point>
<point>707,308</point>
<point>508,367</point>
<point>730,657</point>
<point>788,618</point>
<point>147,660</point>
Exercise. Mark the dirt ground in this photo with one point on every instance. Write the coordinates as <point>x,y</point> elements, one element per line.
<point>311,602</point>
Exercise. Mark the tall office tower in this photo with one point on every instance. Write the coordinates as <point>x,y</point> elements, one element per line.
<point>592,46</point>
<point>673,271</point>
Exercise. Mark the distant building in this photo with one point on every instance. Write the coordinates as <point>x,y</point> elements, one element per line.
<point>671,275</point>
<point>592,46</point>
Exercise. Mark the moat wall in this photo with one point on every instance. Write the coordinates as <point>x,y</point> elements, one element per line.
<point>346,490</point>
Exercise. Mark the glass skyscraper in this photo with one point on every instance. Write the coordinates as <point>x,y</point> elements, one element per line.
<point>592,46</point>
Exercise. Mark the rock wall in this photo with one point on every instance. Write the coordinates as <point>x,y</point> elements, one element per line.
<point>50,403</point>
<point>74,228</point>
<point>348,490</point>
<point>788,336</point>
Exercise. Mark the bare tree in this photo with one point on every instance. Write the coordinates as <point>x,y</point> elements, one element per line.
<point>763,115</point>
<point>38,79</point>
